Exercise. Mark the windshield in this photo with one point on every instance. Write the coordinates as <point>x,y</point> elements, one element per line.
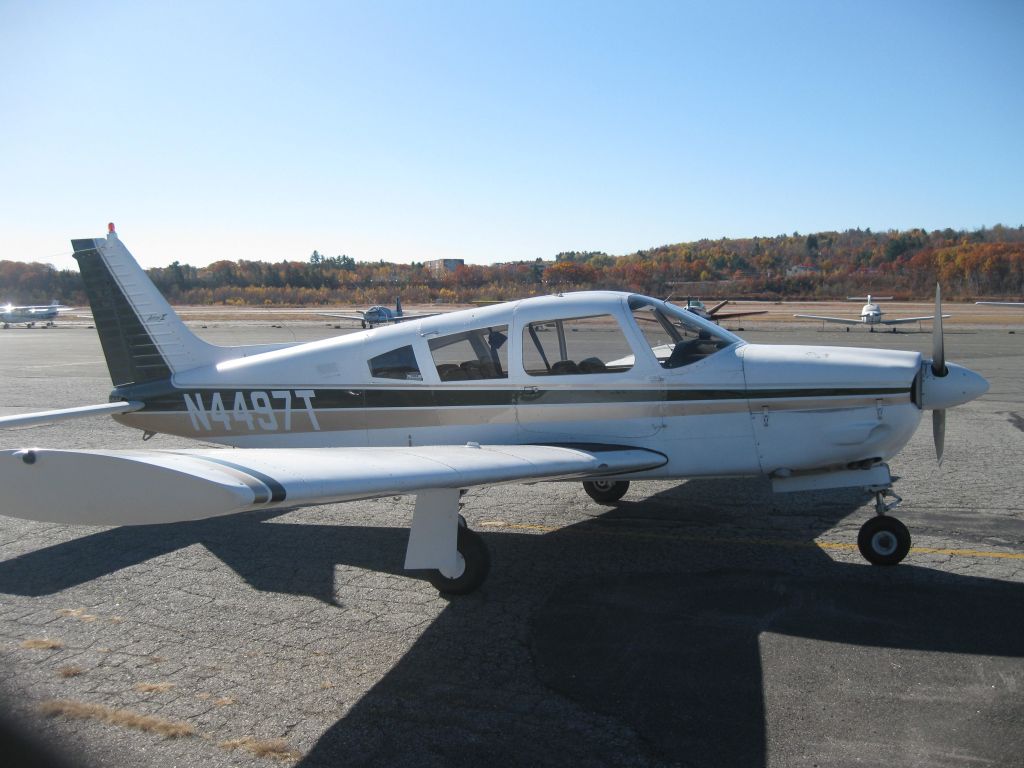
<point>675,336</point>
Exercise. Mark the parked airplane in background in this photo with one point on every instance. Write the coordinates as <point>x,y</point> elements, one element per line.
<point>30,315</point>
<point>379,315</point>
<point>714,314</point>
<point>1002,303</point>
<point>603,387</point>
<point>870,315</point>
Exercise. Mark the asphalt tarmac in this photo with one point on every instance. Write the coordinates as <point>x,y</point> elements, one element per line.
<point>701,623</point>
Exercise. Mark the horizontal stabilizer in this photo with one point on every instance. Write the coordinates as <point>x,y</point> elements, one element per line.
<point>143,487</point>
<point>66,414</point>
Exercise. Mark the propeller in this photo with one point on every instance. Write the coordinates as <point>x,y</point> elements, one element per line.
<point>939,370</point>
<point>938,353</point>
<point>939,432</point>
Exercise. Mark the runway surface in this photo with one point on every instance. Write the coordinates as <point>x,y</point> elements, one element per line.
<point>704,623</point>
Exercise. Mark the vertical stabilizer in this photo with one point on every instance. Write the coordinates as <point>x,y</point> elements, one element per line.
<point>142,337</point>
<point>398,307</point>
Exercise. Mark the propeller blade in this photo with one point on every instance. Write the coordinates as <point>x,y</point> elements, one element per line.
<point>939,432</point>
<point>938,349</point>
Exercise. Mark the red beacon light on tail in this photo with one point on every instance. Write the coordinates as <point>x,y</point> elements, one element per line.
<point>110,229</point>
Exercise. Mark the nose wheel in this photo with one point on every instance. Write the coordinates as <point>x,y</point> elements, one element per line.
<point>884,540</point>
<point>606,491</point>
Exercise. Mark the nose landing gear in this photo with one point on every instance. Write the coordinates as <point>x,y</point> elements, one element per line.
<point>884,540</point>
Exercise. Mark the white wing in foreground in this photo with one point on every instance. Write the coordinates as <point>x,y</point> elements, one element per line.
<point>143,487</point>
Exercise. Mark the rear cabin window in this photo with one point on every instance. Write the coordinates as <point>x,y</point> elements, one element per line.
<point>478,354</point>
<point>396,364</point>
<point>576,346</point>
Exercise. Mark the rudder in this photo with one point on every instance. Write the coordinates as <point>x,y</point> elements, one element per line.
<point>143,339</point>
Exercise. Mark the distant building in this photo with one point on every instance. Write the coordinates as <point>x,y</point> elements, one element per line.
<point>439,267</point>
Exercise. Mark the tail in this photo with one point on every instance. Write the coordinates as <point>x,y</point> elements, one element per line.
<point>143,339</point>
<point>398,307</point>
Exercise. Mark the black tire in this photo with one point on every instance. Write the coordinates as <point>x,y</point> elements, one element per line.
<point>606,491</point>
<point>477,561</point>
<point>883,541</point>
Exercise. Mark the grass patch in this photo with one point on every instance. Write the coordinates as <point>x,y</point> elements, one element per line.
<point>70,671</point>
<point>41,644</point>
<point>78,710</point>
<point>77,613</point>
<point>153,687</point>
<point>276,749</point>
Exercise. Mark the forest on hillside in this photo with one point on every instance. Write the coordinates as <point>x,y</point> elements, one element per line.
<point>984,263</point>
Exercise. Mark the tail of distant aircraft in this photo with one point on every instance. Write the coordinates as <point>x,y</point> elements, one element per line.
<point>143,339</point>
<point>398,307</point>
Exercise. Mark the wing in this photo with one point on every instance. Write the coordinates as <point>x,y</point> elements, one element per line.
<point>843,320</point>
<point>360,316</point>
<point>727,315</point>
<point>902,320</point>
<point>143,487</point>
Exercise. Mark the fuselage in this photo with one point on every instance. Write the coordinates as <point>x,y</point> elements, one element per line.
<point>871,314</point>
<point>28,315</point>
<point>598,367</point>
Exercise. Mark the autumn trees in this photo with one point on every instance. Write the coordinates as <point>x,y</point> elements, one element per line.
<point>985,262</point>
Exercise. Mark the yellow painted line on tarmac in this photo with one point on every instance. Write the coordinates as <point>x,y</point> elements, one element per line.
<point>968,553</point>
<point>826,545</point>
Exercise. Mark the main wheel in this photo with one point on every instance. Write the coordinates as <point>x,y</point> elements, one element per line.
<point>883,540</point>
<point>606,491</point>
<point>476,564</point>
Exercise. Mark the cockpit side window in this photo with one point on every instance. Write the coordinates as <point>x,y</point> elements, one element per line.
<point>675,337</point>
<point>396,364</point>
<point>478,354</point>
<point>578,345</point>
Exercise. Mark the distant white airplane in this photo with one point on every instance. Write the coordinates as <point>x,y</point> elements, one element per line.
<point>378,315</point>
<point>31,314</point>
<point>870,315</point>
<point>1002,303</point>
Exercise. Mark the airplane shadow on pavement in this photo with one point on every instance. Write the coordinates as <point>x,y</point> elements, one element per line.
<point>645,636</point>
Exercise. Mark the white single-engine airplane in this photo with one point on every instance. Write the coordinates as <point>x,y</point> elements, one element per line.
<point>601,386</point>
<point>1002,303</point>
<point>870,315</point>
<point>31,314</point>
<point>378,315</point>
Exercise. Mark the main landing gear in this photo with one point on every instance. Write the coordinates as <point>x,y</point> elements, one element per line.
<point>884,540</point>
<point>474,564</point>
<point>453,558</point>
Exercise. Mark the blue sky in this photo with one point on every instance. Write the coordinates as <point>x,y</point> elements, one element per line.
<point>492,132</point>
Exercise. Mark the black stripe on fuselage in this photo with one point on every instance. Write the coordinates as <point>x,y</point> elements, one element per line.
<point>447,397</point>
